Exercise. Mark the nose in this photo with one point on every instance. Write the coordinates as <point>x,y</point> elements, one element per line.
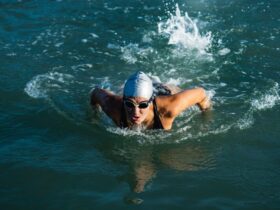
<point>136,110</point>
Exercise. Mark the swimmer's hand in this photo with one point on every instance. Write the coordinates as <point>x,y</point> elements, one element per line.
<point>205,104</point>
<point>93,96</point>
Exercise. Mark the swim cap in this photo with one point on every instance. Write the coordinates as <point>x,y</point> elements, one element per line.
<point>138,85</point>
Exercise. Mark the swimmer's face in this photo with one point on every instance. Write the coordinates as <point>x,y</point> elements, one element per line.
<point>137,109</point>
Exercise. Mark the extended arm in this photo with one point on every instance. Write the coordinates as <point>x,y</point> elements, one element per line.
<point>109,102</point>
<point>99,97</point>
<point>187,98</point>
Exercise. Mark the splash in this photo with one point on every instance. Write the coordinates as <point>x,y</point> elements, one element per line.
<point>264,101</point>
<point>183,31</point>
<point>267,100</point>
<point>132,52</point>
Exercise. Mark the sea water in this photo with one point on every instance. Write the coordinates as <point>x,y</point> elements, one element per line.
<point>58,153</point>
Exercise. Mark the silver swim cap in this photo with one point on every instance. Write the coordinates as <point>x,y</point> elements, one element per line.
<point>138,85</point>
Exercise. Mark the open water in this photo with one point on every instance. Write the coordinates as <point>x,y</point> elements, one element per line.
<point>57,153</point>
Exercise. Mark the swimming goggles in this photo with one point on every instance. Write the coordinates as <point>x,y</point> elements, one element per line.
<point>141,105</point>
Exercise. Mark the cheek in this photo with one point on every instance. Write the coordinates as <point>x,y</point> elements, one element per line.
<point>144,112</point>
<point>129,111</point>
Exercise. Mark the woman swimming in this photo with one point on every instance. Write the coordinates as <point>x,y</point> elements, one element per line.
<point>147,104</point>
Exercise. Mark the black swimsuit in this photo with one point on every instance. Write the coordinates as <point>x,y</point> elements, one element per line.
<point>159,89</point>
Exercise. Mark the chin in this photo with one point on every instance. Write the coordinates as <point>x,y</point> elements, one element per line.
<point>137,122</point>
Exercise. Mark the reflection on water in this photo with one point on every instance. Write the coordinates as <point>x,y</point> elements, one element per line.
<point>146,161</point>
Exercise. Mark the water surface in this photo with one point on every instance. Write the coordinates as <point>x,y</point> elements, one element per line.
<point>57,153</point>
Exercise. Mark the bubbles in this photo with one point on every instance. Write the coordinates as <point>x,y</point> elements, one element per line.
<point>142,136</point>
<point>183,31</point>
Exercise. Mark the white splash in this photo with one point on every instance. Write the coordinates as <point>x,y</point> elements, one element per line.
<point>94,35</point>
<point>182,30</point>
<point>81,67</point>
<point>129,53</point>
<point>176,82</point>
<point>267,100</point>
<point>224,51</point>
<point>246,121</point>
<point>132,52</point>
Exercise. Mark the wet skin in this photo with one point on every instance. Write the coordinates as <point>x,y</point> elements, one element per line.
<point>136,115</point>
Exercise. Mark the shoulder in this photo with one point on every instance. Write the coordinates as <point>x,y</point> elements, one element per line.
<point>164,108</point>
<point>174,104</point>
<point>109,102</point>
<point>103,96</point>
<point>163,112</point>
<point>171,105</point>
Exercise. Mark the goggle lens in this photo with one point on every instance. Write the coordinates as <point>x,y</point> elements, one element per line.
<point>142,105</point>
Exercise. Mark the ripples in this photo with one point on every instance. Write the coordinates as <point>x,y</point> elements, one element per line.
<point>54,52</point>
<point>61,156</point>
<point>40,85</point>
<point>173,47</point>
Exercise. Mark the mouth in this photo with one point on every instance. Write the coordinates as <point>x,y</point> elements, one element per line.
<point>135,118</point>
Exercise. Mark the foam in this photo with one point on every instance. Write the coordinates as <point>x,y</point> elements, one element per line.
<point>246,122</point>
<point>176,82</point>
<point>129,53</point>
<point>139,131</point>
<point>148,37</point>
<point>267,100</point>
<point>82,67</point>
<point>132,52</point>
<point>224,51</point>
<point>94,35</point>
<point>264,101</point>
<point>41,84</point>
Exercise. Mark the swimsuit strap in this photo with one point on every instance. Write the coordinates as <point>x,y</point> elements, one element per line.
<point>161,90</point>
<point>123,122</point>
<point>157,121</point>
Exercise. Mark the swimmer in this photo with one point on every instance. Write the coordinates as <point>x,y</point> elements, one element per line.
<point>147,104</point>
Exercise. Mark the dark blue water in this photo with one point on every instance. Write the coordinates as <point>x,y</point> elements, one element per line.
<point>58,153</point>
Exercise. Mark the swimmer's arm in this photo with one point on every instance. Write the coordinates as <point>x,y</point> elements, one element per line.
<point>98,97</point>
<point>106,100</point>
<point>187,98</point>
<point>205,104</point>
